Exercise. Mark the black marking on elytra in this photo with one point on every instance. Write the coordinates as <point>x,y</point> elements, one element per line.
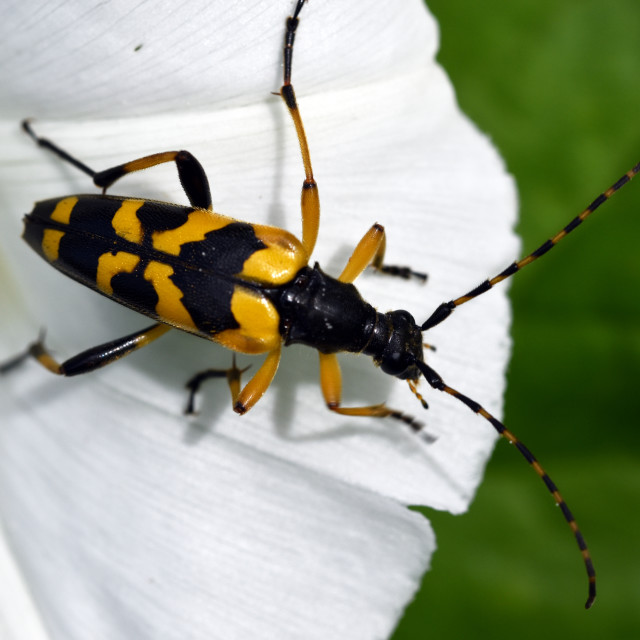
<point>206,271</point>
<point>207,299</point>
<point>88,235</point>
<point>134,291</point>
<point>222,251</point>
<point>161,216</point>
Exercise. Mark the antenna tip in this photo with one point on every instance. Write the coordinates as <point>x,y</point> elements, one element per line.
<point>592,595</point>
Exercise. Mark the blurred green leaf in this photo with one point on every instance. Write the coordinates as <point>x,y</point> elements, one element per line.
<point>555,86</point>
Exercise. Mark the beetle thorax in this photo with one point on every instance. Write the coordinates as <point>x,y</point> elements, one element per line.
<point>331,316</point>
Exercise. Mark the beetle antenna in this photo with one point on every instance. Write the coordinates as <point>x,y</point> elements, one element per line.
<point>446,308</point>
<point>434,379</point>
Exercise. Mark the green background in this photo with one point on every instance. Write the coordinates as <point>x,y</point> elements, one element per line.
<point>555,84</point>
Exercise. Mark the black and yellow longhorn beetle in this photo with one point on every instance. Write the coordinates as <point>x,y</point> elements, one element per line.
<point>246,286</point>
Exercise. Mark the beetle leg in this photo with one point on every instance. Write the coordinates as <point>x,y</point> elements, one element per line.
<point>367,252</point>
<point>310,200</point>
<point>370,251</point>
<point>233,375</point>
<point>393,270</point>
<point>331,385</point>
<point>15,361</point>
<point>192,176</point>
<point>255,388</point>
<point>91,359</point>
<point>54,148</point>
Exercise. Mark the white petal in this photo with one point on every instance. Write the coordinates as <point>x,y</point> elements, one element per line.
<point>18,616</point>
<point>145,534</point>
<point>388,144</point>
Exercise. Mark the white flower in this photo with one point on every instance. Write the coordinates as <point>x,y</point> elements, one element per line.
<point>125,519</point>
